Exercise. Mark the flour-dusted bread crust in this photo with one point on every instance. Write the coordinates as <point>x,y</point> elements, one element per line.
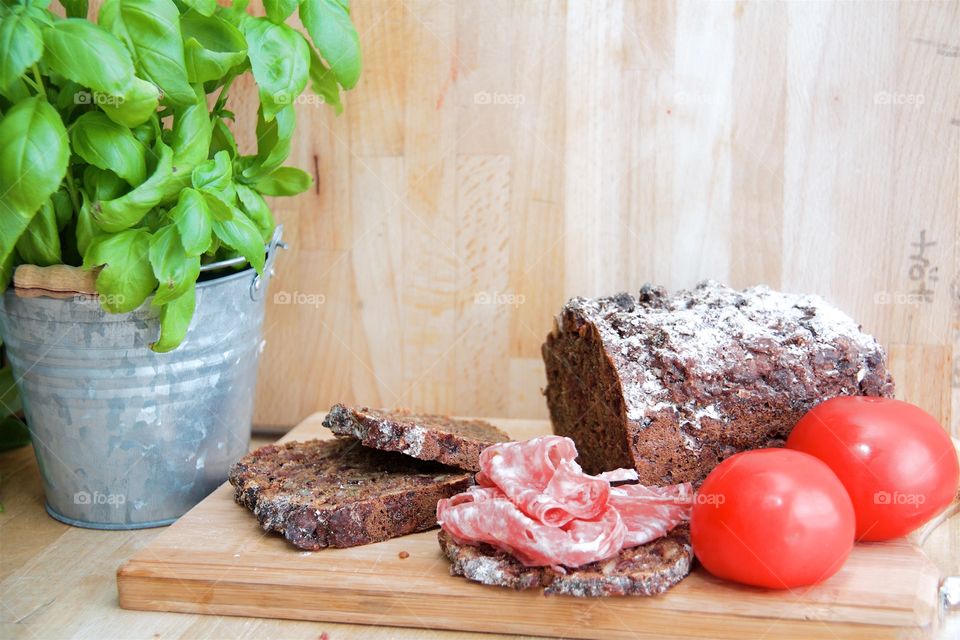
<point>673,384</point>
<point>646,570</point>
<point>337,493</point>
<point>451,441</point>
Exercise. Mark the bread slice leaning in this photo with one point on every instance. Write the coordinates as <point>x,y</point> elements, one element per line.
<point>646,570</point>
<point>453,441</point>
<point>337,493</point>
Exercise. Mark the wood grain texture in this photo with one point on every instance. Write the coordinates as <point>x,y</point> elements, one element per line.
<point>497,158</point>
<point>58,581</point>
<point>217,560</point>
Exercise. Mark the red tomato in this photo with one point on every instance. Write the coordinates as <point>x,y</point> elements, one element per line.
<point>897,463</point>
<point>772,518</point>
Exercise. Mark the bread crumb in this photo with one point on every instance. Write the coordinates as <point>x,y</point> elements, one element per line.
<point>403,555</point>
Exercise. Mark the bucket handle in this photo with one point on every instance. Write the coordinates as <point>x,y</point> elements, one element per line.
<point>259,282</point>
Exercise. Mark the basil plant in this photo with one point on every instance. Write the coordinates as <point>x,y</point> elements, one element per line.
<point>114,147</point>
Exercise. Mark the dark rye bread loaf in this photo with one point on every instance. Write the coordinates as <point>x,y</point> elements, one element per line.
<point>337,493</point>
<point>672,385</point>
<point>454,442</point>
<point>646,570</point>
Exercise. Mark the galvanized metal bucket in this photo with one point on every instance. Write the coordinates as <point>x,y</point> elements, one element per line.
<point>127,438</point>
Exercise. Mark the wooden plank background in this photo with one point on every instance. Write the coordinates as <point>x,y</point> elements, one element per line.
<point>498,157</point>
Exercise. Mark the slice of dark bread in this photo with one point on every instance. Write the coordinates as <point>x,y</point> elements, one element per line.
<point>336,493</point>
<point>646,570</point>
<point>674,384</point>
<point>454,442</point>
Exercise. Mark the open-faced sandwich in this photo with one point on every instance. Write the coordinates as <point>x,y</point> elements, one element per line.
<point>535,519</point>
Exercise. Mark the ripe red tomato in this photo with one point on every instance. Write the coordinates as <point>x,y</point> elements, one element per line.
<point>772,518</point>
<point>897,463</point>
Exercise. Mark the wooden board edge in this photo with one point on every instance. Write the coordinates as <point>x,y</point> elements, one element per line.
<point>137,581</point>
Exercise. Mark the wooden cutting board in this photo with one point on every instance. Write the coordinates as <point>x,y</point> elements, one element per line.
<point>217,560</point>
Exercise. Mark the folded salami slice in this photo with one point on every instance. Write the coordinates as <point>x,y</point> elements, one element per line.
<point>500,523</point>
<point>536,503</point>
<point>542,479</point>
<point>650,512</point>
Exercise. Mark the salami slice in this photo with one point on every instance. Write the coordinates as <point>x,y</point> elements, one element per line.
<point>500,523</point>
<point>650,512</point>
<point>542,479</point>
<point>534,501</point>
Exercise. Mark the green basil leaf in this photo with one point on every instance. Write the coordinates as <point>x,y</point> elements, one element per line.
<point>62,208</point>
<point>33,161</point>
<point>9,398</point>
<point>219,209</point>
<point>6,270</point>
<point>280,59</point>
<point>273,142</point>
<point>127,278</point>
<point>21,45</point>
<point>324,83</point>
<point>279,10</point>
<point>154,220</point>
<point>257,210</point>
<point>236,14</point>
<point>240,233</point>
<point>127,210</point>
<point>192,217</point>
<point>174,269</point>
<point>87,229</point>
<point>191,134</point>
<point>222,139</point>
<point>13,432</point>
<point>40,243</point>
<point>203,7</point>
<point>89,55</point>
<point>69,97</point>
<point>328,23</point>
<point>215,175</point>
<point>38,11</point>
<point>108,145</point>
<point>16,92</point>
<point>175,319</point>
<point>103,185</point>
<point>211,45</point>
<point>146,133</point>
<point>75,8</point>
<point>151,29</point>
<point>134,107</point>
<point>285,181</point>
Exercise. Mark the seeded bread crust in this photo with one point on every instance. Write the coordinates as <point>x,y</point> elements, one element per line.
<point>673,385</point>
<point>453,442</point>
<point>336,493</point>
<point>640,571</point>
